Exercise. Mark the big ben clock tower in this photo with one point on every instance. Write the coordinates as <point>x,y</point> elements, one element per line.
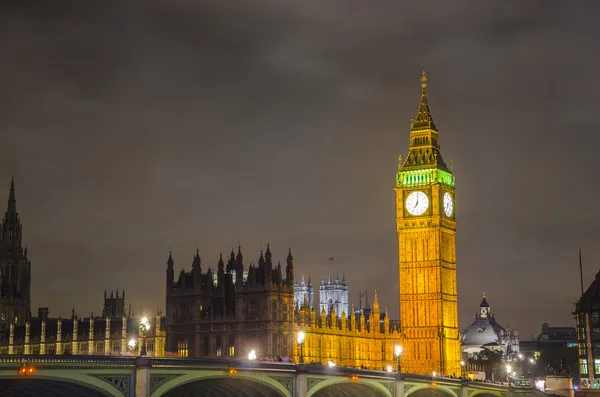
<point>426,223</point>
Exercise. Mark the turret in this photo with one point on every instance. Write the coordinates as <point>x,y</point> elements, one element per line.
<point>289,269</point>
<point>170,273</point>
<point>484,308</point>
<point>239,267</point>
<point>221,271</point>
<point>197,270</point>
<point>386,322</point>
<point>268,264</point>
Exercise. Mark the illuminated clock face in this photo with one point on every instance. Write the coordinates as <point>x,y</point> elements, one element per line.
<point>417,203</point>
<point>448,204</point>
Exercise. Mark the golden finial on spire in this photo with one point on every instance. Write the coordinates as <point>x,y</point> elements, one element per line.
<point>423,79</point>
<point>484,295</point>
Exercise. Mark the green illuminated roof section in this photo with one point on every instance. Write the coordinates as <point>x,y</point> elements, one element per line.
<point>424,177</point>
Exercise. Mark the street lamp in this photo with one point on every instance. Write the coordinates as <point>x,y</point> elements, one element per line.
<point>331,364</point>
<point>300,341</point>
<point>252,355</point>
<point>389,368</point>
<point>132,342</point>
<point>144,327</point>
<point>398,353</point>
<point>508,372</point>
<point>531,369</point>
<point>462,369</point>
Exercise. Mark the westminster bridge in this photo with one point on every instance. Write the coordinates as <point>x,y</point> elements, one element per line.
<point>102,376</point>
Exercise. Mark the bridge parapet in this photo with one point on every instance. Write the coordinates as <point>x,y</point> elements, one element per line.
<point>170,377</point>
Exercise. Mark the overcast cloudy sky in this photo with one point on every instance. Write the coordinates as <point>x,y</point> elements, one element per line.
<point>135,126</point>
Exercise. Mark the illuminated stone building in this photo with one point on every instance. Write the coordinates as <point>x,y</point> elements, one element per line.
<point>426,227</point>
<point>111,336</point>
<point>302,292</point>
<point>356,341</point>
<point>15,268</point>
<point>227,318</point>
<point>333,295</point>
<point>486,333</point>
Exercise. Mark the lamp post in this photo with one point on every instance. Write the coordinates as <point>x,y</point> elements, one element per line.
<point>398,353</point>
<point>144,327</point>
<point>508,372</point>
<point>462,369</point>
<point>531,369</point>
<point>252,355</point>
<point>300,341</point>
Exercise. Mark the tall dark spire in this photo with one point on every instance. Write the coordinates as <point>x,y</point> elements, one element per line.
<point>289,268</point>
<point>11,225</point>
<point>12,201</point>
<point>268,256</point>
<point>170,262</point>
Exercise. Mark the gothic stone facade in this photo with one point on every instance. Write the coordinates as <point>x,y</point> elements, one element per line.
<point>226,318</point>
<point>223,318</point>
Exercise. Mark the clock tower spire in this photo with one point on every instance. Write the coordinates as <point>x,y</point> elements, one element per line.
<point>426,227</point>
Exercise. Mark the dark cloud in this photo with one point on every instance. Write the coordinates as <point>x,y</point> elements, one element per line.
<point>138,125</point>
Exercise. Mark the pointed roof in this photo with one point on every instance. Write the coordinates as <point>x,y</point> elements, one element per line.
<point>424,143</point>
<point>484,302</point>
<point>423,120</point>
<point>12,201</point>
<point>170,262</point>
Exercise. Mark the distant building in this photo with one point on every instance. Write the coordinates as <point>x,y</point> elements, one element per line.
<point>551,346</point>
<point>333,296</point>
<point>486,333</point>
<point>303,293</point>
<point>15,268</point>
<point>587,316</point>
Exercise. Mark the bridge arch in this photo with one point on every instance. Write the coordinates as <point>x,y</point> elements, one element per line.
<point>427,390</point>
<point>221,385</point>
<point>485,393</point>
<point>52,386</point>
<point>348,388</point>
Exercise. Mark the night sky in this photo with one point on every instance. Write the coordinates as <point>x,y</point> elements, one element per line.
<point>135,126</point>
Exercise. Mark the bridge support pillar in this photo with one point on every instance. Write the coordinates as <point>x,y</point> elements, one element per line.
<point>142,377</point>
<point>464,388</point>
<point>399,386</point>
<point>301,382</point>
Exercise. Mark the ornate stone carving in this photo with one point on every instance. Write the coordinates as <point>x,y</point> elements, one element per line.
<point>121,382</point>
<point>311,382</point>
<point>286,382</point>
<point>160,379</point>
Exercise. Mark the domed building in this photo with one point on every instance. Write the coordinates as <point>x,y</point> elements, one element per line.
<point>486,333</point>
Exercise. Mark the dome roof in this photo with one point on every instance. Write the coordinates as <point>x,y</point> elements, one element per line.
<point>484,330</point>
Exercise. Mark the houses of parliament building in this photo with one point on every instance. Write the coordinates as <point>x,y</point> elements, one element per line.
<point>262,307</point>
